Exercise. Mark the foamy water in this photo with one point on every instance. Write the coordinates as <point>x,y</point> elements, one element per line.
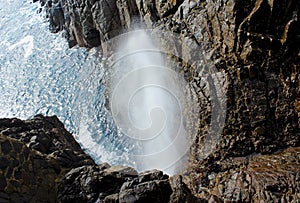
<point>41,75</point>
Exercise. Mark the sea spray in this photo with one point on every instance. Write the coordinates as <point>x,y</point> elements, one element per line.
<point>40,74</point>
<point>147,100</point>
<point>52,79</point>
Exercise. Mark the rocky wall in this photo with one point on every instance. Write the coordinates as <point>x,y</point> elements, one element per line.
<point>32,172</point>
<point>255,44</point>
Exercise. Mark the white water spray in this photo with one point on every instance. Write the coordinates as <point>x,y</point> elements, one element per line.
<point>28,44</point>
<point>147,103</point>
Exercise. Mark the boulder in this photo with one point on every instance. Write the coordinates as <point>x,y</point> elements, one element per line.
<point>46,135</point>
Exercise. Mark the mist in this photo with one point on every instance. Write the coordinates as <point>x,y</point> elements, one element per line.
<point>147,102</point>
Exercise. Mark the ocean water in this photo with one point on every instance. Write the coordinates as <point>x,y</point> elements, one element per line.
<point>39,74</point>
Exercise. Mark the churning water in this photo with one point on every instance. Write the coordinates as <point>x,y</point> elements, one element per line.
<point>41,75</point>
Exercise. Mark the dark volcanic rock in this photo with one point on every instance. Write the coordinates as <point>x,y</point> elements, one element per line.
<point>41,162</point>
<point>35,155</point>
<point>181,192</point>
<point>46,135</point>
<point>267,178</point>
<point>29,174</point>
<point>89,183</point>
<point>26,178</point>
<point>151,186</point>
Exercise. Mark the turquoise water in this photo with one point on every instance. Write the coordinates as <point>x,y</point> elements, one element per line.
<point>41,75</point>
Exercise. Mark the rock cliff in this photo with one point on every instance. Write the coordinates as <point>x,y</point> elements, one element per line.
<point>256,43</point>
<point>41,162</point>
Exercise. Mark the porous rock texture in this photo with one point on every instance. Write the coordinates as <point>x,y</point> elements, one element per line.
<point>256,44</point>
